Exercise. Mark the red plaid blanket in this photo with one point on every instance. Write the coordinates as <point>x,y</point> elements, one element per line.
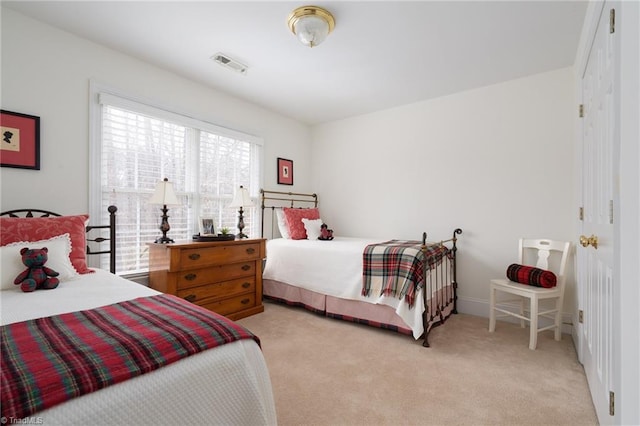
<point>397,268</point>
<point>47,361</point>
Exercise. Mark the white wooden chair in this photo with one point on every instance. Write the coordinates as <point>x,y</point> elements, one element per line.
<point>542,250</point>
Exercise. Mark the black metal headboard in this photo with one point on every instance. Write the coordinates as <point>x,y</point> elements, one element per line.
<point>111,227</point>
<point>278,199</point>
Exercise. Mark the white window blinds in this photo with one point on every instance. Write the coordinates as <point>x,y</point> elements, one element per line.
<point>141,145</point>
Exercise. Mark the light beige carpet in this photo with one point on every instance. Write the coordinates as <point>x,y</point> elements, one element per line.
<point>330,372</point>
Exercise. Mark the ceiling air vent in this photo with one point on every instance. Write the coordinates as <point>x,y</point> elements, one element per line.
<point>230,63</point>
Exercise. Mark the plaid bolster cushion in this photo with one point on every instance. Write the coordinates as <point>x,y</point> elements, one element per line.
<point>531,276</point>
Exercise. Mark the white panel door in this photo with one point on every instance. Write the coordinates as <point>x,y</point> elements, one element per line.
<point>595,261</point>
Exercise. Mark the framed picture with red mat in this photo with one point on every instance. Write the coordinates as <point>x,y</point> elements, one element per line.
<point>285,171</point>
<point>20,140</point>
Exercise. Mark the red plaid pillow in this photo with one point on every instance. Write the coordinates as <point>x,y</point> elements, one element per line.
<point>531,276</point>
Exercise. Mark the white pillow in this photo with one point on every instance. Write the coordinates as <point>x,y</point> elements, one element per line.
<point>58,259</point>
<point>312,226</point>
<point>282,224</point>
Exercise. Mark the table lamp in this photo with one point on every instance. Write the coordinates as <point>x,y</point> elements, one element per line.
<point>241,200</point>
<point>165,196</point>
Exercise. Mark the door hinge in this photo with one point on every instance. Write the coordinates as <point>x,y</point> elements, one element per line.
<point>612,21</point>
<point>610,211</point>
<point>581,213</point>
<point>612,403</point>
<point>581,316</point>
<point>581,110</point>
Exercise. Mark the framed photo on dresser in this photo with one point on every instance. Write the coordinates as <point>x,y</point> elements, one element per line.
<point>206,226</point>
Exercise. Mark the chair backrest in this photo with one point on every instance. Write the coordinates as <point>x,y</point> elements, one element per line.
<point>542,250</point>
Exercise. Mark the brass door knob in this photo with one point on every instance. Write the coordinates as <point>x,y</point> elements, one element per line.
<point>586,241</point>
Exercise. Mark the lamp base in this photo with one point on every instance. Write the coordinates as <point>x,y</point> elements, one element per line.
<point>164,227</point>
<point>240,235</point>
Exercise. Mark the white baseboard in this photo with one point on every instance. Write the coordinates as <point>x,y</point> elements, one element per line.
<point>480,308</point>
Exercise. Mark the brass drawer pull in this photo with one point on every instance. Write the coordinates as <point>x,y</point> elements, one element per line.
<point>246,285</point>
<point>245,301</point>
<point>190,277</point>
<point>246,267</point>
<point>194,256</point>
<point>251,250</point>
<point>190,298</point>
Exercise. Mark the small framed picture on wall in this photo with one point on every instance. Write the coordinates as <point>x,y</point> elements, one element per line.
<point>20,140</point>
<point>285,171</point>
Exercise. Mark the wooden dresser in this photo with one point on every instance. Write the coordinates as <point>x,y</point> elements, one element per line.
<point>225,276</point>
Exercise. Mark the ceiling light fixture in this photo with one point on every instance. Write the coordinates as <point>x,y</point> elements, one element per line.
<point>230,63</point>
<point>311,24</point>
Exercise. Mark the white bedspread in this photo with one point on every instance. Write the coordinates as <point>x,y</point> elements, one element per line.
<point>333,268</point>
<point>226,385</point>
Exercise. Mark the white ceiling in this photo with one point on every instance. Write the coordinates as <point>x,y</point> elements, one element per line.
<point>381,54</point>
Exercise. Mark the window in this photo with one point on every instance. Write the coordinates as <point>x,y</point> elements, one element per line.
<point>136,145</point>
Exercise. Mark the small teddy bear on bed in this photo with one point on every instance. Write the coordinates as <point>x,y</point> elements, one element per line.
<point>325,232</point>
<point>36,275</point>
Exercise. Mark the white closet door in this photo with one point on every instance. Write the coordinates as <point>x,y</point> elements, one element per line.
<point>595,261</point>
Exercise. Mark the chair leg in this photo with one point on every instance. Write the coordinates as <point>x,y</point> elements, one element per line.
<point>533,324</point>
<point>492,312</point>
<point>522,312</point>
<point>558,320</point>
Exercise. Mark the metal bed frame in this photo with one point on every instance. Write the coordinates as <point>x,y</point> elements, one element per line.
<point>288,197</point>
<point>111,227</point>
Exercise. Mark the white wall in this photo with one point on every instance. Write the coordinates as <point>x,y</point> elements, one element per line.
<point>496,161</point>
<point>46,72</point>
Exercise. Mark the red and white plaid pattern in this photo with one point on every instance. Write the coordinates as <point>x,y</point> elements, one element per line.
<point>396,268</point>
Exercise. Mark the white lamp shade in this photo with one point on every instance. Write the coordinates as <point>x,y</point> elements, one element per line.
<point>164,194</point>
<point>241,198</point>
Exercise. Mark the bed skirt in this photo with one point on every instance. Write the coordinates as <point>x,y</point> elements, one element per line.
<point>375,315</point>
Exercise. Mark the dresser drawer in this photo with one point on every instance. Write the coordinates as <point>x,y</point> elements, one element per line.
<point>231,305</point>
<point>197,277</point>
<point>219,290</point>
<point>206,256</point>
